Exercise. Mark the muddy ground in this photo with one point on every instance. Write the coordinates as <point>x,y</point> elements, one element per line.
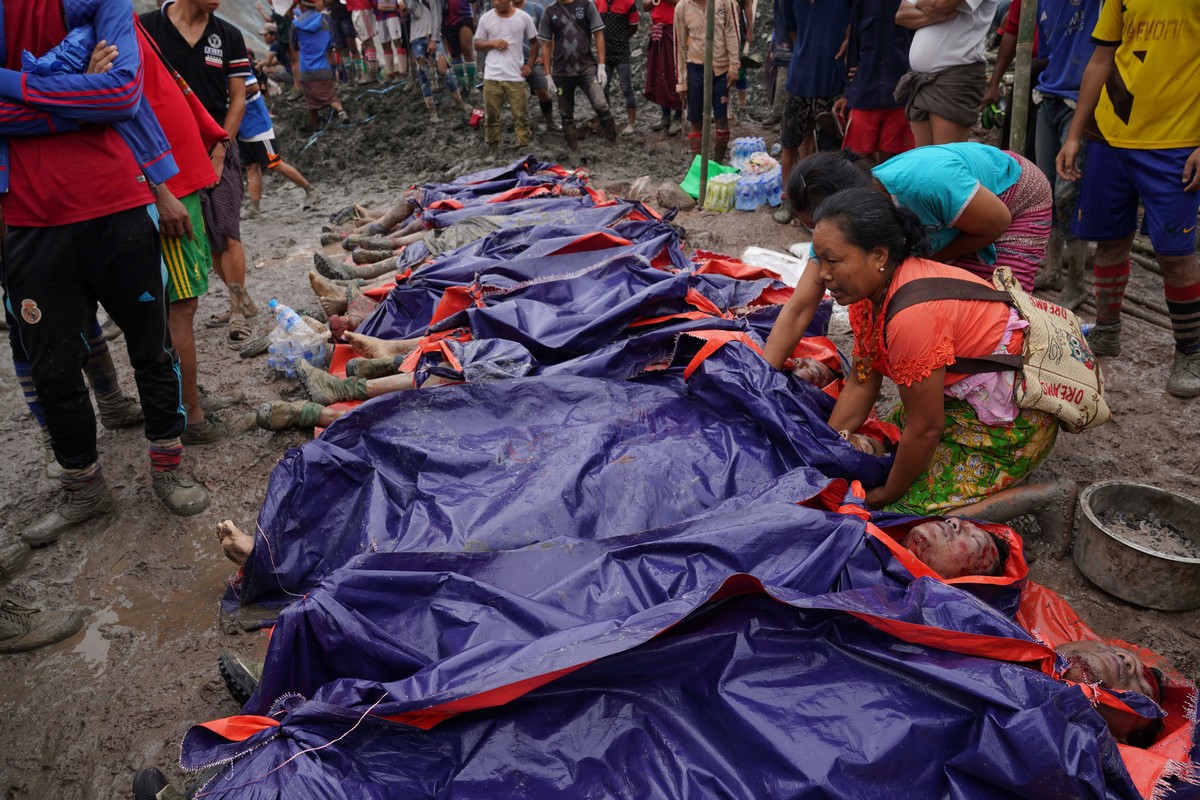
<point>78,719</point>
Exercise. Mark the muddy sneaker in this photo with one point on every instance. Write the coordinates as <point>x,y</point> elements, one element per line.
<point>327,389</point>
<point>209,431</point>
<point>118,411</point>
<point>252,211</point>
<point>241,676</point>
<point>673,127</point>
<point>1185,375</point>
<point>211,403</point>
<point>13,555</point>
<point>660,123</point>
<point>329,268</point>
<point>1105,339</point>
<point>628,130</point>
<point>179,492</point>
<point>283,415</point>
<point>783,215</point>
<point>85,496</point>
<point>311,198</point>
<point>23,629</point>
<point>373,367</point>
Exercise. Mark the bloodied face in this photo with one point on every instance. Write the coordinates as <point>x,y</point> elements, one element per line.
<point>954,547</point>
<point>1119,669</point>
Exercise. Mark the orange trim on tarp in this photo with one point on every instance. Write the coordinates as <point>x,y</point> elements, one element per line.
<point>717,264</point>
<point>819,348</point>
<point>383,290</point>
<point>239,728</point>
<point>455,299</point>
<point>681,315</point>
<point>714,341</point>
<point>445,203</point>
<point>590,242</point>
<point>519,193</point>
<point>997,648</point>
<point>427,718</point>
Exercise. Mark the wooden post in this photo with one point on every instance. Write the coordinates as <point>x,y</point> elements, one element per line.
<point>706,129</point>
<point>1022,82</point>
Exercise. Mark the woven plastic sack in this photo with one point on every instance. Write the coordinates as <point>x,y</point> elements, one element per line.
<point>1061,375</point>
<point>691,181</point>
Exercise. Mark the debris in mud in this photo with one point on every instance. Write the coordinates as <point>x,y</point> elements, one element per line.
<point>1150,531</point>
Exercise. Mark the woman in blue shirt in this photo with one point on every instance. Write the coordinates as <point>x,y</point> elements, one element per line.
<point>982,207</point>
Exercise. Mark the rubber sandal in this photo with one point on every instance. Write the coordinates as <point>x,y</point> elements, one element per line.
<point>217,320</point>
<point>239,328</point>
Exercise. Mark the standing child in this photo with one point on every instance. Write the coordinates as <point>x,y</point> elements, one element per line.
<point>393,62</point>
<point>502,32</point>
<point>689,58</point>
<point>661,73</point>
<point>256,141</point>
<point>876,59</point>
<point>316,73</point>
<point>425,25</point>
<point>620,23</point>
<point>362,14</point>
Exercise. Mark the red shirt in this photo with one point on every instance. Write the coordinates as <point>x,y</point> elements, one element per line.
<point>664,12</point>
<point>67,177</point>
<point>189,128</point>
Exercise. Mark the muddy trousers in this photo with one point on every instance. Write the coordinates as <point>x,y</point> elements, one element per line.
<point>495,94</point>
<point>53,278</point>
<point>566,86</point>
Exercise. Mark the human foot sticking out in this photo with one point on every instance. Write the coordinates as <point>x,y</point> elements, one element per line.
<point>283,415</point>
<point>372,347</point>
<point>1051,504</point>
<point>333,297</point>
<point>236,545</point>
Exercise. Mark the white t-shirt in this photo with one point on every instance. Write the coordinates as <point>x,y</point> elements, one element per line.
<point>516,29</point>
<point>956,42</point>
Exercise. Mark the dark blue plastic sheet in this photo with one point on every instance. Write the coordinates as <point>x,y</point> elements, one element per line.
<point>597,580</point>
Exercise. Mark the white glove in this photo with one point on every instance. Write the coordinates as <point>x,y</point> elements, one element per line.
<point>550,84</point>
<point>602,75</point>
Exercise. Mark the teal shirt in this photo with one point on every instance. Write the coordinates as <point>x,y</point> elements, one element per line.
<point>937,183</point>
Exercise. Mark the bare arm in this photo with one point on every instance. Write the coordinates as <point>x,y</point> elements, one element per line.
<point>913,17</point>
<point>855,402</point>
<point>547,51</point>
<point>1095,75</point>
<point>1004,59</point>
<point>237,107</point>
<point>925,412</point>
<point>982,222</point>
<point>600,47</point>
<point>795,317</point>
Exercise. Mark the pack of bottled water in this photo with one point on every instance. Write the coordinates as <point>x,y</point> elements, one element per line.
<point>743,148</point>
<point>296,337</point>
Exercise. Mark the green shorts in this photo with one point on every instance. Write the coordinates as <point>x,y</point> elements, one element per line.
<point>187,261</point>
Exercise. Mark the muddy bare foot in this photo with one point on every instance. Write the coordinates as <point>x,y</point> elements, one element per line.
<point>371,347</point>
<point>236,545</point>
<point>333,297</point>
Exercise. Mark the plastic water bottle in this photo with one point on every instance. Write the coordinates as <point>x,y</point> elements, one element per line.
<point>288,319</point>
<point>1087,327</point>
<point>775,187</point>
<point>744,194</point>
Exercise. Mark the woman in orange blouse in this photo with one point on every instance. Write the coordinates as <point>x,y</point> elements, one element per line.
<point>964,439</point>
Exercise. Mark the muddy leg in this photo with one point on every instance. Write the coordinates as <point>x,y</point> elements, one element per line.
<point>371,347</point>
<point>1052,504</point>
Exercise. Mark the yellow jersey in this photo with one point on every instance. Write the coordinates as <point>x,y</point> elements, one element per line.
<point>1152,98</point>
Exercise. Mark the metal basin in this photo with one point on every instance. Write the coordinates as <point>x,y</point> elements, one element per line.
<point>1131,570</point>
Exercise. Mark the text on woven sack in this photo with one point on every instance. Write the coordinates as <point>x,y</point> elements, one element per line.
<point>1061,391</point>
<point>1050,308</point>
